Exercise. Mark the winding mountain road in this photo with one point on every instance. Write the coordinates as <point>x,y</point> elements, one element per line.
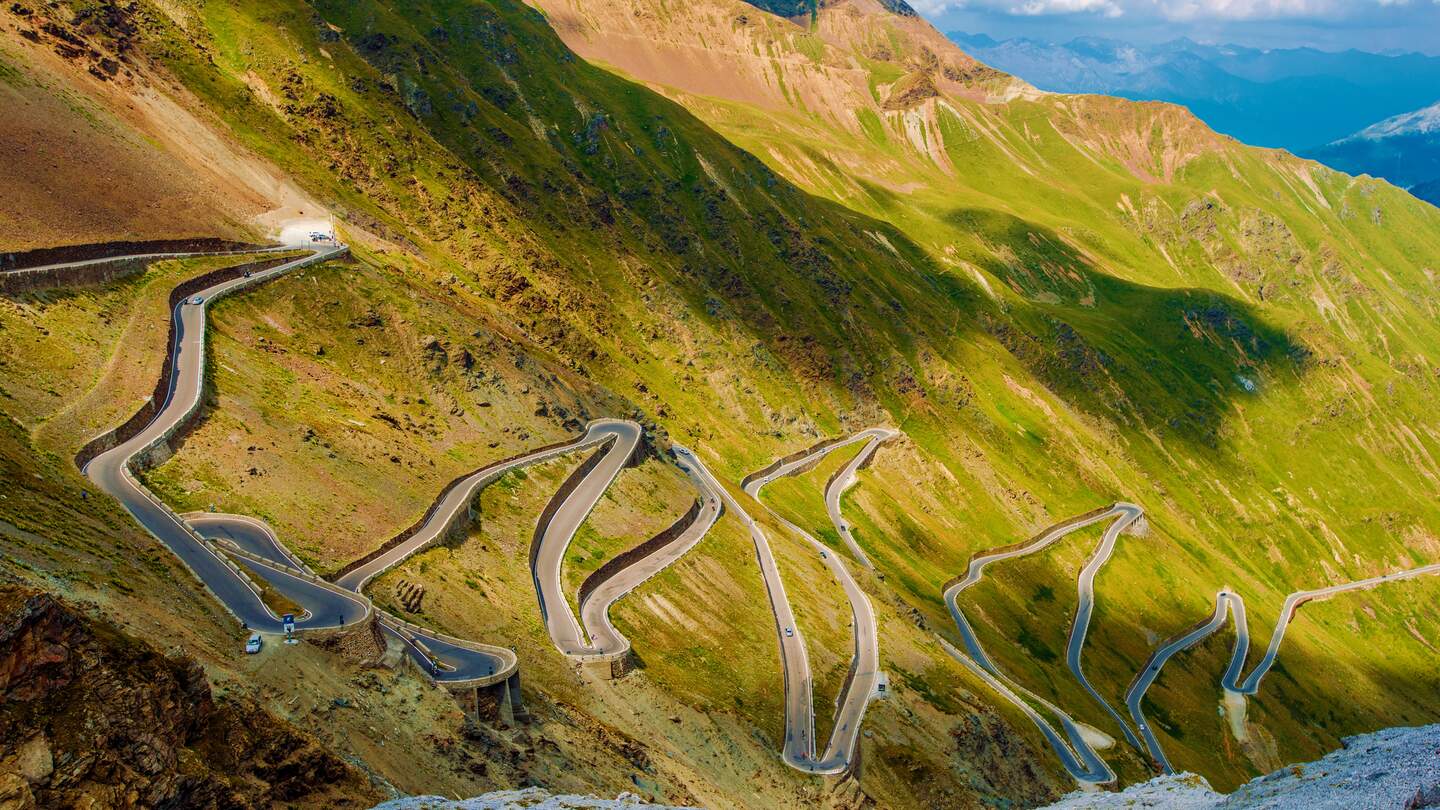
<point>457,500</point>
<point>862,681</point>
<point>845,479</point>
<point>1076,753</point>
<point>1127,515</point>
<point>251,543</point>
<point>606,642</point>
<point>111,471</point>
<point>1231,681</point>
<point>227,552</point>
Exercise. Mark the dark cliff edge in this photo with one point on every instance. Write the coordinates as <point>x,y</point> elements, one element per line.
<point>90,716</point>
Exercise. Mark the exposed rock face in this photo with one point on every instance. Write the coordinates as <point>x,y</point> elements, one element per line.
<point>1000,760</point>
<point>910,90</point>
<point>1393,769</point>
<point>364,645</point>
<point>91,717</point>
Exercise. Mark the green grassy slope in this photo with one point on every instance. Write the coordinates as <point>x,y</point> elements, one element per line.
<point>1064,303</point>
<point>1239,340</point>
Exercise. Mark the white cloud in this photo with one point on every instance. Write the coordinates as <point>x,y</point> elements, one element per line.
<point>1186,10</point>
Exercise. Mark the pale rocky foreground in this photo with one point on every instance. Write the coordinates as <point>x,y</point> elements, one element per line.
<point>1394,769</point>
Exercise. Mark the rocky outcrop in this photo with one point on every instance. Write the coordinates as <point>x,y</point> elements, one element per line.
<point>910,90</point>
<point>90,717</point>
<point>363,644</point>
<point>1394,769</point>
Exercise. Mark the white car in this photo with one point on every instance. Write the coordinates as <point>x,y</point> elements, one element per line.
<point>253,644</point>
<point>789,632</point>
<point>197,300</point>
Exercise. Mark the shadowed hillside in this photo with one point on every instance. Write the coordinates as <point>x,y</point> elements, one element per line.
<point>560,215</point>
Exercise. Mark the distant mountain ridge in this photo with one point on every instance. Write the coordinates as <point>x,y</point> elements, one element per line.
<point>1297,99</point>
<point>1404,149</point>
<point>801,8</point>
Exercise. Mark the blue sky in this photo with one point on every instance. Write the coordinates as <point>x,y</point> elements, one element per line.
<point>1372,25</point>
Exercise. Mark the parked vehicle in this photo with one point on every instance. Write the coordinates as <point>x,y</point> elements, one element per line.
<point>253,645</point>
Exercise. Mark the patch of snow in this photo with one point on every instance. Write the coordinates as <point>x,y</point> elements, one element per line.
<point>1420,122</point>
<point>525,799</point>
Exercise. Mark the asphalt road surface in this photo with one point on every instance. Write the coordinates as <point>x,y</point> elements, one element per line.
<point>459,498</point>
<point>251,545</point>
<point>862,682</point>
<point>1127,515</point>
<point>605,640</point>
<point>111,472</point>
<point>846,479</point>
<point>1076,754</point>
<point>553,537</point>
<point>1231,680</point>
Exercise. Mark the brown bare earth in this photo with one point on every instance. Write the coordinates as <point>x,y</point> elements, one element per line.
<point>92,717</point>
<point>87,155</point>
<point>733,51</point>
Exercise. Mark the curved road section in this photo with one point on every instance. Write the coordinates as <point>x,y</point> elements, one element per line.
<point>845,479</point>
<point>1076,753</point>
<point>862,682</point>
<point>1126,515</point>
<point>598,639</point>
<point>1231,680</point>
<point>562,519</point>
<point>444,659</point>
<point>251,542</point>
<point>457,500</point>
<point>111,471</point>
<point>606,642</point>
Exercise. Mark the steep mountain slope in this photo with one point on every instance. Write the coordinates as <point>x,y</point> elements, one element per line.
<point>1186,310</point>
<point>525,250</point>
<point>1060,302</point>
<point>1404,149</point>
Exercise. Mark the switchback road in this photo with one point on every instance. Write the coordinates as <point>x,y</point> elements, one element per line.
<point>252,544</point>
<point>1231,680</point>
<point>862,681</point>
<point>605,640</point>
<point>111,471</point>
<point>1076,753</point>
<point>845,479</point>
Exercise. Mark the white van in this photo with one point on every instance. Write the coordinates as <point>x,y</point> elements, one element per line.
<point>252,646</point>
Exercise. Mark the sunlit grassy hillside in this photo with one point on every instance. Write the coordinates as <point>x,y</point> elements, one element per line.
<point>1060,302</point>
<point>1238,340</point>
